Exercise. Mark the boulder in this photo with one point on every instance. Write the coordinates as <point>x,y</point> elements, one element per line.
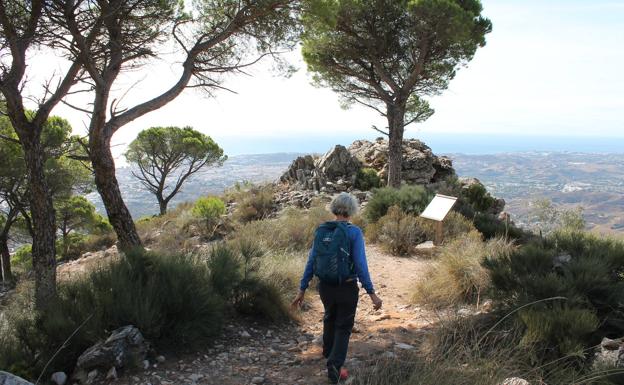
<point>59,378</point>
<point>125,346</point>
<point>301,169</point>
<point>515,381</point>
<point>11,379</point>
<point>338,165</point>
<point>610,354</point>
<point>443,166</point>
<point>420,165</point>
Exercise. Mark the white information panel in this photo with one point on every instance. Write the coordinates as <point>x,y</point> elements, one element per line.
<point>439,207</point>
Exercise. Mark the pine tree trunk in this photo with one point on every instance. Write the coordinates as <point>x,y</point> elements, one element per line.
<point>5,259</point>
<point>43,222</point>
<point>162,204</point>
<point>396,117</point>
<point>108,187</point>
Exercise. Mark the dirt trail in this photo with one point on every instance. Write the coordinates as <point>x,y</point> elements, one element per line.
<point>291,354</point>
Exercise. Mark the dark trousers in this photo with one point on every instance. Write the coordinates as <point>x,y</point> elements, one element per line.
<point>340,303</point>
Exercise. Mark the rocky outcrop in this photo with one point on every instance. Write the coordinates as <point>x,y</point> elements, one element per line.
<point>420,165</point>
<point>301,171</point>
<point>334,171</point>
<point>337,170</point>
<point>338,163</point>
<point>10,379</point>
<point>125,347</point>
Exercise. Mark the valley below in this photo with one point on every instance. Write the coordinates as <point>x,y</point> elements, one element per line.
<point>594,182</point>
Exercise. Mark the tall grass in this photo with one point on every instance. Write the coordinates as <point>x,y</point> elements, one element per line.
<point>457,276</point>
<point>468,351</point>
<point>292,231</point>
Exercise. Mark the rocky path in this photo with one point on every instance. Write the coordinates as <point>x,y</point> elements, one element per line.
<point>291,354</point>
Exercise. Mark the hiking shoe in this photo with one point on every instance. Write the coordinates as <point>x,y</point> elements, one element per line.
<point>333,374</point>
<point>336,377</point>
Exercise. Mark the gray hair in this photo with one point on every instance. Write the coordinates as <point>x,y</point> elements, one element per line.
<point>344,204</point>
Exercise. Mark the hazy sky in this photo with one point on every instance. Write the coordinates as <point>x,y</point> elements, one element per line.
<point>550,67</point>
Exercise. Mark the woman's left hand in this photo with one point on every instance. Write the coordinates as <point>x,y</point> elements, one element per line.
<point>298,302</point>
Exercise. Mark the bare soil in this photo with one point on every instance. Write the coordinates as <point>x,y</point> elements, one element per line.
<point>250,353</point>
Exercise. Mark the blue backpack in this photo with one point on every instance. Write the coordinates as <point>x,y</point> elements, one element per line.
<point>332,253</point>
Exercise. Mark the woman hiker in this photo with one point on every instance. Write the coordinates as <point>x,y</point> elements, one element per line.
<point>338,258</point>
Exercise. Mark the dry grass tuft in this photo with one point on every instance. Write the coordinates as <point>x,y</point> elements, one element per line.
<point>458,277</point>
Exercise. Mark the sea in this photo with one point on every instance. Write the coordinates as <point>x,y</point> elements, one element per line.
<point>440,143</point>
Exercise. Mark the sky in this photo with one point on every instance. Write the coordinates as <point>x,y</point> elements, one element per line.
<point>551,69</point>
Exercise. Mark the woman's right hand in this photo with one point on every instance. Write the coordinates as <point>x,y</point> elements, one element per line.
<point>298,302</point>
<point>377,302</point>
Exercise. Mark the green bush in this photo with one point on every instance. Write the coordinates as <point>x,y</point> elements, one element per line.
<point>209,209</point>
<point>22,258</point>
<point>411,200</point>
<point>399,232</point>
<point>568,276</point>
<point>492,227</point>
<point>226,270</point>
<point>367,179</point>
<point>71,247</point>
<point>478,197</point>
<point>238,278</point>
<point>170,299</point>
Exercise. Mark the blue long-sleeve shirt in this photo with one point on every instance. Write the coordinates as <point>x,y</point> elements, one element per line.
<point>358,255</point>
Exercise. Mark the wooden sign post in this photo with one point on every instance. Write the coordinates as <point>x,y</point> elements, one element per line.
<point>436,211</point>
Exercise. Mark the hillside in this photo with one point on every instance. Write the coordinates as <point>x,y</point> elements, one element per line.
<point>593,181</point>
<point>253,168</point>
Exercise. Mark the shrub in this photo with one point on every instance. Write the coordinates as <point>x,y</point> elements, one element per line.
<point>455,225</point>
<point>179,230</point>
<point>367,179</point>
<point>399,232</point>
<point>492,227</point>
<point>548,217</point>
<point>22,258</point>
<point>458,276</point>
<point>209,209</point>
<point>253,203</point>
<point>170,299</point>
<point>411,200</point>
<point>237,275</point>
<point>98,241</point>
<point>478,197</point>
<point>583,271</point>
